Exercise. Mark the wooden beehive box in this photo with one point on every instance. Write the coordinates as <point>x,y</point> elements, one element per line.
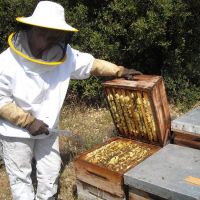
<point>140,108</point>
<point>186,129</point>
<point>140,111</point>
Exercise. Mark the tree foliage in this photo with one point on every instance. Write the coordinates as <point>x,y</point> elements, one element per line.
<point>154,36</point>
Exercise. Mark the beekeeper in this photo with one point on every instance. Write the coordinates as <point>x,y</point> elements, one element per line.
<point>34,76</point>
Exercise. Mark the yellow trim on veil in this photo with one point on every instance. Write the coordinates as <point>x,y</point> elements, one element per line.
<point>54,63</point>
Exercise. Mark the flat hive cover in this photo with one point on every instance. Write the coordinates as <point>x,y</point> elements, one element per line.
<point>190,122</point>
<point>171,173</point>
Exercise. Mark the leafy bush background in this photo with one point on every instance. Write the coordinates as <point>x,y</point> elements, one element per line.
<point>154,36</point>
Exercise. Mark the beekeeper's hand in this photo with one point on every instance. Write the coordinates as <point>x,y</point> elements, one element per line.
<point>124,72</point>
<point>105,68</point>
<point>37,127</point>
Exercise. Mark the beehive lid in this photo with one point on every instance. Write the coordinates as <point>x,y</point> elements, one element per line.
<point>170,173</point>
<point>189,122</point>
<point>139,108</point>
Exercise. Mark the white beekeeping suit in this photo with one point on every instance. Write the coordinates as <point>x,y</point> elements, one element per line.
<point>38,88</point>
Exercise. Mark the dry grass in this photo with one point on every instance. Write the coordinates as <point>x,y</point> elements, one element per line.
<point>5,193</point>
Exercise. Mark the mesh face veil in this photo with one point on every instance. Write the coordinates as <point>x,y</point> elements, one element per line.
<point>54,54</point>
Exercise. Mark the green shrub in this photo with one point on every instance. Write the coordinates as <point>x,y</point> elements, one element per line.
<point>181,90</point>
<point>88,91</point>
<point>9,10</point>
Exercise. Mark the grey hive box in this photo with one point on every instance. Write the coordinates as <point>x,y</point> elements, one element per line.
<point>171,173</point>
<point>186,129</point>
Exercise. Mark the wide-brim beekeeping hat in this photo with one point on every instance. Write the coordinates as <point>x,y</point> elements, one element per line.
<point>48,14</point>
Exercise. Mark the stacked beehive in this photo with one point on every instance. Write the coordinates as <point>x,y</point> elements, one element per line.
<point>186,129</point>
<point>140,112</point>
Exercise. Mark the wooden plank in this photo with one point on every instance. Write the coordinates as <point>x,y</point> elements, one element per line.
<point>156,105</point>
<point>99,177</point>
<point>160,107</point>
<point>135,194</point>
<point>141,82</point>
<point>166,112</point>
<point>89,192</point>
<point>187,140</point>
<point>165,104</point>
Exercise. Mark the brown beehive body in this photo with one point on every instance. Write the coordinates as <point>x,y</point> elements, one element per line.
<point>140,112</point>
<point>104,166</point>
<point>140,108</point>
